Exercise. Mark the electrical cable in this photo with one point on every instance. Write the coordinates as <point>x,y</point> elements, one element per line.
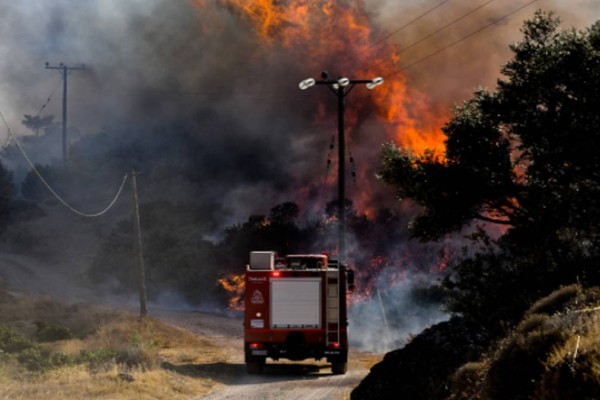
<point>386,37</point>
<point>52,191</point>
<point>49,98</point>
<point>410,46</point>
<point>463,38</point>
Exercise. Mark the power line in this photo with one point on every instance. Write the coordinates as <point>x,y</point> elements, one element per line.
<point>52,191</point>
<point>463,38</point>
<point>453,22</point>
<point>386,37</point>
<point>48,100</point>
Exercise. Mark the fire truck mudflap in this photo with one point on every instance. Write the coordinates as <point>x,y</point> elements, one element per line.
<point>295,308</point>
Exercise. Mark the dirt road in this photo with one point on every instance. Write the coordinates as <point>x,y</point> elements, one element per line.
<point>281,380</point>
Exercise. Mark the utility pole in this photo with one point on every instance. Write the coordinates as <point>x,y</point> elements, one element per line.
<point>139,247</point>
<point>341,87</point>
<point>64,71</point>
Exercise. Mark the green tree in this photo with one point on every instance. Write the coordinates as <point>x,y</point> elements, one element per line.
<point>524,156</point>
<point>37,123</point>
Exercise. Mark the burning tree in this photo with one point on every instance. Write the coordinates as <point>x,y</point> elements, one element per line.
<point>523,157</point>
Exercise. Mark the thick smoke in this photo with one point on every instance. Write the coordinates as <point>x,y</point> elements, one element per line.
<point>451,76</point>
<point>177,66</point>
<point>195,87</point>
<point>393,314</point>
<point>151,62</point>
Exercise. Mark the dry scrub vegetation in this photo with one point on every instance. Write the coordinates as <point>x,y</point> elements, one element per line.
<point>51,350</point>
<point>554,353</point>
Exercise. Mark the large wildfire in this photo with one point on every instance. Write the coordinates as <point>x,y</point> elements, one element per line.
<point>202,96</point>
<point>339,34</point>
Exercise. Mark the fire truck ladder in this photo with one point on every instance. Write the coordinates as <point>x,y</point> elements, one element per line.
<point>332,323</point>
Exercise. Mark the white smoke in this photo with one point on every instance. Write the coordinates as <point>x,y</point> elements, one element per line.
<point>393,314</point>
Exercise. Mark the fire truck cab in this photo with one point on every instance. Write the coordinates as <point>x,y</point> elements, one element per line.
<point>295,308</point>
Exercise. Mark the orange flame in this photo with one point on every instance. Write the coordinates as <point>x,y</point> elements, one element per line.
<point>235,286</point>
<point>340,33</point>
<point>314,33</point>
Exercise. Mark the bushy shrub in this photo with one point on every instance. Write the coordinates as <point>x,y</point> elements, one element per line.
<point>552,354</point>
<point>135,357</point>
<point>556,301</point>
<point>13,342</point>
<point>60,359</point>
<point>34,359</point>
<point>520,362</point>
<point>46,332</point>
<point>466,381</point>
<point>97,360</point>
<point>572,379</point>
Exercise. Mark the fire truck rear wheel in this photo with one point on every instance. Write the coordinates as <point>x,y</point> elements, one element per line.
<point>254,367</point>
<point>339,368</point>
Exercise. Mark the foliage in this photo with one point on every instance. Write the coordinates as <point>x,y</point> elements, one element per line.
<point>135,357</point>
<point>97,360</point>
<point>523,157</point>
<point>422,368</point>
<point>37,123</point>
<point>176,255</point>
<point>46,332</point>
<point>12,341</point>
<point>178,258</point>
<point>551,354</point>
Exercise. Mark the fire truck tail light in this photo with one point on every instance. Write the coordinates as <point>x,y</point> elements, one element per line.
<point>276,274</point>
<point>334,345</point>
<point>255,346</point>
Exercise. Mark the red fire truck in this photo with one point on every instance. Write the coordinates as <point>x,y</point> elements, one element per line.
<point>295,308</point>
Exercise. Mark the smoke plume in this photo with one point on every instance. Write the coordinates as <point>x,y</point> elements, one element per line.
<point>209,89</point>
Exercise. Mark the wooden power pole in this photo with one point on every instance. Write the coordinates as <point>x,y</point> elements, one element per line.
<point>64,71</point>
<point>139,247</point>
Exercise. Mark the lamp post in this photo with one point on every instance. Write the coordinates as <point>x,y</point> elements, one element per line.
<point>341,87</point>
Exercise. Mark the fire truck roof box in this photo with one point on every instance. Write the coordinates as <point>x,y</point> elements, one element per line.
<point>262,260</point>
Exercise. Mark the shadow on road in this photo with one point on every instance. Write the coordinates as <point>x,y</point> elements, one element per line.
<point>231,373</point>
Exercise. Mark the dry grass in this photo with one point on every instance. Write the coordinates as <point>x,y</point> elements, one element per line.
<point>362,360</point>
<point>77,383</point>
<point>142,348</point>
<point>552,354</point>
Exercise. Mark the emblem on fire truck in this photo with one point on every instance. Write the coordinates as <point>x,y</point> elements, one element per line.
<point>257,297</point>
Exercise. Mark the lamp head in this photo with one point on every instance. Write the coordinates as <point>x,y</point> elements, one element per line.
<point>343,81</point>
<point>305,84</point>
<point>375,82</point>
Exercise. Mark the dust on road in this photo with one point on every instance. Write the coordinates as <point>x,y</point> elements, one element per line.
<point>309,380</point>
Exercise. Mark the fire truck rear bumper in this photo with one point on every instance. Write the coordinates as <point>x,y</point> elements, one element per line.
<point>276,352</point>
<point>293,345</point>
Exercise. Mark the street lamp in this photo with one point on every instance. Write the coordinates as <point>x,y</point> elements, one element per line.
<point>341,87</point>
